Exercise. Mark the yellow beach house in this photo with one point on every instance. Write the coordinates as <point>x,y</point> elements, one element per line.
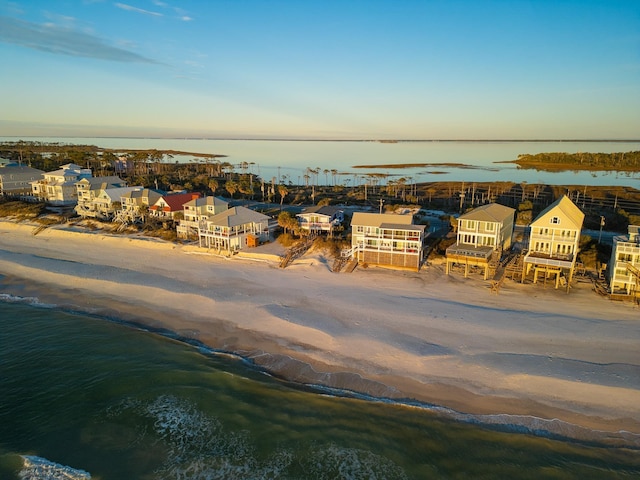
<point>554,242</point>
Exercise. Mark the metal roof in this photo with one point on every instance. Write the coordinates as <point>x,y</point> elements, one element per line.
<point>491,212</point>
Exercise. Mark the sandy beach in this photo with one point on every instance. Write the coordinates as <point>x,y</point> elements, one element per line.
<point>536,355</point>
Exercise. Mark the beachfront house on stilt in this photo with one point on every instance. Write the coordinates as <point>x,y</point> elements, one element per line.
<point>196,210</point>
<point>235,229</point>
<point>90,189</point>
<point>135,204</point>
<point>554,243</point>
<point>624,266</point>
<point>387,240</point>
<point>320,219</point>
<point>483,234</point>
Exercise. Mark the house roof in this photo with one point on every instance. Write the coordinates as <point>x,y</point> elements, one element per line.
<point>562,206</point>
<point>152,195</point>
<point>115,194</point>
<point>102,182</point>
<point>208,200</point>
<point>492,212</point>
<point>327,210</point>
<point>377,219</point>
<point>15,169</point>
<point>402,226</point>
<point>176,201</point>
<point>236,216</point>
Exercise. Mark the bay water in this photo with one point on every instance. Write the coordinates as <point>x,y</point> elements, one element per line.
<point>464,161</point>
<point>88,397</point>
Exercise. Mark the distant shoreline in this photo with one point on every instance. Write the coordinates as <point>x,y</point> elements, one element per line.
<point>364,140</point>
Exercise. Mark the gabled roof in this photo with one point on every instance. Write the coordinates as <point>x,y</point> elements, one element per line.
<point>561,207</point>
<point>102,182</point>
<point>208,200</point>
<point>492,212</point>
<point>327,210</point>
<point>237,216</point>
<point>145,192</point>
<point>115,194</point>
<point>176,201</point>
<point>377,219</point>
<point>15,169</point>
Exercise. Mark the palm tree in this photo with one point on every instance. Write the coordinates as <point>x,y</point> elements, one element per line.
<point>231,186</point>
<point>213,185</point>
<point>282,190</point>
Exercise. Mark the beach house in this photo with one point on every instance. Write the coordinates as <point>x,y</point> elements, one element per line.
<point>234,229</point>
<point>106,205</point>
<point>59,186</point>
<point>88,189</point>
<point>16,180</point>
<point>136,203</point>
<point>168,206</point>
<point>483,233</point>
<point>624,266</point>
<point>320,219</point>
<point>387,240</point>
<point>554,240</point>
<point>198,209</point>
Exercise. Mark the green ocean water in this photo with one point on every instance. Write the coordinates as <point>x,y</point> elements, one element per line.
<point>119,403</point>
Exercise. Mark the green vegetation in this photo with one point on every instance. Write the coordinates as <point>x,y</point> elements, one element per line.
<point>21,211</point>
<point>620,162</point>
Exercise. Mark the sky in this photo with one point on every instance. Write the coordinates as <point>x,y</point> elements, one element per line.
<point>330,69</point>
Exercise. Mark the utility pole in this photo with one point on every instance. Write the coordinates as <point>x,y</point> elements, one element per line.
<point>381,203</point>
<point>601,225</point>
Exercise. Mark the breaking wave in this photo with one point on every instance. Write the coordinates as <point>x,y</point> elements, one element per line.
<point>200,448</point>
<point>38,468</point>
<point>33,301</point>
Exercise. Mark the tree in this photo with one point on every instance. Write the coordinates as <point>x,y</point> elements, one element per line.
<point>231,186</point>
<point>288,222</point>
<point>213,185</point>
<point>283,191</point>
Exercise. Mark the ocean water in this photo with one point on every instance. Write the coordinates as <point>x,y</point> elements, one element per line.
<point>86,397</point>
<point>287,161</point>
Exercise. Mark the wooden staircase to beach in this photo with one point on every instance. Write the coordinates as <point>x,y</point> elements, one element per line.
<point>509,264</point>
<point>297,251</point>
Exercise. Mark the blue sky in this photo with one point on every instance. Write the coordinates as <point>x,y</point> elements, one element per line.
<point>321,69</point>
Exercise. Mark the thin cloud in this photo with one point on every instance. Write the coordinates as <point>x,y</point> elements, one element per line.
<point>63,41</point>
<point>131,8</point>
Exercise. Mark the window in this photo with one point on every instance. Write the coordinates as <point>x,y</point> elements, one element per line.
<point>555,221</point>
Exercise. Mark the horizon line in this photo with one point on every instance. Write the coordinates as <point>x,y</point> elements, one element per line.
<point>309,139</point>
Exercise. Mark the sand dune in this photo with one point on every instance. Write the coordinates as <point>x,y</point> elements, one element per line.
<point>444,340</point>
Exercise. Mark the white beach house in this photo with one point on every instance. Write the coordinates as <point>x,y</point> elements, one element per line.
<point>387,240</point>
<point>135,204</point>
<point>88,189</point>
<point>320,219</point>
<point>234,229</point>
<point>59,186</point>
<point>624,266</point>
<point>199,209</point>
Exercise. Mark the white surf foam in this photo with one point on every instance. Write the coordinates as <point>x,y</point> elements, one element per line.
<point>38,468</point>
